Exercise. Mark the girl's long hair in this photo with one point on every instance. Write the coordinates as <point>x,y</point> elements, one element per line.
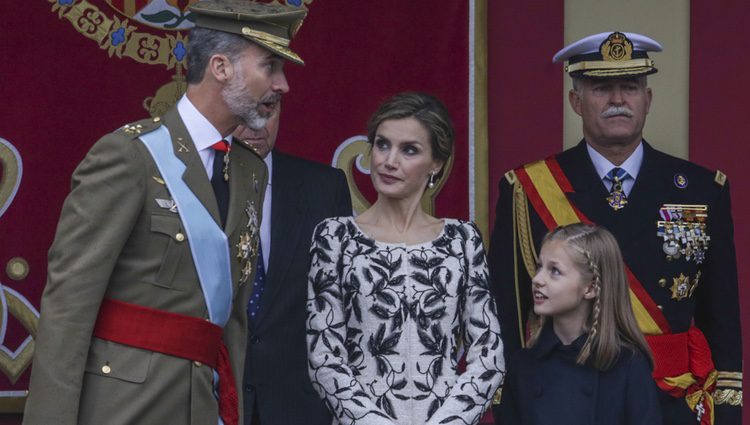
<point>611,324</point>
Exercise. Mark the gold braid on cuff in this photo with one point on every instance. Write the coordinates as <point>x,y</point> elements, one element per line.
<point>730,397</point>
<point>728,388</point>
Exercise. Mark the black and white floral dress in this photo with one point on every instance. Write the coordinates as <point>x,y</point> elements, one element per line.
<point>387,324</point>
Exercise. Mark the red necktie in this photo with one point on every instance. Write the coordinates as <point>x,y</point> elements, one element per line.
<point>222,145</point>
<point>218,181</point>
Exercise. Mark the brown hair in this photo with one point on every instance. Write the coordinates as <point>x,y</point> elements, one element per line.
<point>426,109</point>
<point>611,323</point>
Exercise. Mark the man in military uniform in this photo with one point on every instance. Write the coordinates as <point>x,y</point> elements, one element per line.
<point>671,218</point>
<point>143,319</point>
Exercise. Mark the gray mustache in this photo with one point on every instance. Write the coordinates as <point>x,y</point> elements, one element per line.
<point>271,98</point>
<point>617,110</point>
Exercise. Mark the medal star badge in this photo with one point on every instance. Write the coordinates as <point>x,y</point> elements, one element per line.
<point>617,200</point>
<point>244,252</point>
<point>683,287</point>
<point>680,287</point>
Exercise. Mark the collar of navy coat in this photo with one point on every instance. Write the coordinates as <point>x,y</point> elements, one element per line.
<point>548,342</point>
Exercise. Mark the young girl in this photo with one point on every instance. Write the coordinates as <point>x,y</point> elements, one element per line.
<point>586,362</point>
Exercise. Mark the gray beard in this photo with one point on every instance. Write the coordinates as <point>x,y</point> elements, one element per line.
<point>241,104</point>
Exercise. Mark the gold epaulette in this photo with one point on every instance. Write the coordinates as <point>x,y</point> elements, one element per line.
<point>720,178</point>
<point>728,388</point>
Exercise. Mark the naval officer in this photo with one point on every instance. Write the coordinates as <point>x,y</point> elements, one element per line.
<point>671,218</point>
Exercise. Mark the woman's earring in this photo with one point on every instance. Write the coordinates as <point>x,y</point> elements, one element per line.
<point>431,183</point>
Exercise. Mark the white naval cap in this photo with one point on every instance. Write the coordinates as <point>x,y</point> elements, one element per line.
<point>609,55</point>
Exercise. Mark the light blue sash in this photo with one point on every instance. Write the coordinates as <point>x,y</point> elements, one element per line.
<point>207,240</point>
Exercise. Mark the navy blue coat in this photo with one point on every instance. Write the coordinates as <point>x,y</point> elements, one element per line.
<point>544,385</point>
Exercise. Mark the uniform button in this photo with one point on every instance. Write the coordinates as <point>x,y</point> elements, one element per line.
<point>106,369</point>
<point>669,258</point>
<point>662,282</point>
<point>180,237</point>
<point>249,388</point>
<point>157,119</point>
<point>197,363</point>
<point>255,339</point>
<point>660,307</point>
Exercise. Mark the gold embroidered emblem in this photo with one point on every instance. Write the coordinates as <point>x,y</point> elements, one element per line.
<point>683,287</point>
<point>617,47</point>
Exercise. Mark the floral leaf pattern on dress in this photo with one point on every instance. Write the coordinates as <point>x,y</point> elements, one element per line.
<point>388,323</point>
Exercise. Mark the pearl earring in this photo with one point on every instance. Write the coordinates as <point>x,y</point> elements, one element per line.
<point>431,182</point>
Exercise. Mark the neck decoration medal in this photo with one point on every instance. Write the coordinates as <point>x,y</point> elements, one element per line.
<point>617,199</point>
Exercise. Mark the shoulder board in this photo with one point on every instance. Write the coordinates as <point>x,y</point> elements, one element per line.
<point>511,177</point>
<point>143,126</point>
<point>249,147</point>
<point>720,178</point>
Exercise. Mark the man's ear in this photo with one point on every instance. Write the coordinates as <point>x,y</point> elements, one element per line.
<point>220,68</point>
<point>575,101</point>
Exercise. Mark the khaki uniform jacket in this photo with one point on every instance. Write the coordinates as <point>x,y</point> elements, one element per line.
<point>114,240</point>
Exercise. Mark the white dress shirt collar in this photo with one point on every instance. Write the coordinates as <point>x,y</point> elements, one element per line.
<point>203,133</point>
<point>603,166</point>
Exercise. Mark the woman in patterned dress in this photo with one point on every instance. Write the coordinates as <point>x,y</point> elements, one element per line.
<point>397,296</point>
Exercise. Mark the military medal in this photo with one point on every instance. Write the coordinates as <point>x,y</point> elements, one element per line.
<point>671,248</point>
<point>247,246</point>
<point>683,230</point>
<point>244,249</point>
<point>617,199</point>
<point>683,287</point>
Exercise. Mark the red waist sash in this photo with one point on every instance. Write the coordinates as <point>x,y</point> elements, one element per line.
<point>175,335</point>
<point>683,367</point>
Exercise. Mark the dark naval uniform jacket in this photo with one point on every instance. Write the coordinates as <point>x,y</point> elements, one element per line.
<point>277,388</point>
<point>712,304</point>
<point>544,386</point>
<point>115,241</point>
